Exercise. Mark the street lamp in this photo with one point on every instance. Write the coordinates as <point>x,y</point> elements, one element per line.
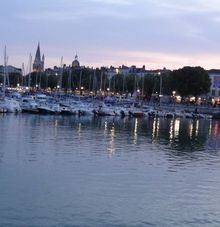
<point>174,96</point>
<point>108,89</point>
<point>81,90</point>
<point>159,74</point>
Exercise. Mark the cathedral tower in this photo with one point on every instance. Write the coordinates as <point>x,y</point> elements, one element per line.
<point>38,65</point>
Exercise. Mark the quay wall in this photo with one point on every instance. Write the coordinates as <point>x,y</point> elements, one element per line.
<point>190,108</point>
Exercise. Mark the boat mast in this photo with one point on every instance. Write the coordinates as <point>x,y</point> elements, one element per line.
<point>101,81</point>
<point>59,85</point>
<point>94,84</point>
<point>69,81</point>
<point>142,92</point>
<point>7,74</point>
<point>22,74</point>
<point>80,80</point>
<point>29,72</point>
<point>4,76</point>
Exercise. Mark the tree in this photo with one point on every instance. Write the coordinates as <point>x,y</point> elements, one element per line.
<point>190,81</point>
<point>14,79</point>
<point>130,83</point>
<point>151,85</point>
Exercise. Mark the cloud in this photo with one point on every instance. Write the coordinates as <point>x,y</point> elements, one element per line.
<point>186,28</point>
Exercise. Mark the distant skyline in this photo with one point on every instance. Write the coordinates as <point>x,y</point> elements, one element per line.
<point>153,33</point>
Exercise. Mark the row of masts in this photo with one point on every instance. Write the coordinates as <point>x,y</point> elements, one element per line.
<point>93,83</point>
<point>6,82</point>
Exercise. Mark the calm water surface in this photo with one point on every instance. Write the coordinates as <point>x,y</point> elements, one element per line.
<point>70,171</point>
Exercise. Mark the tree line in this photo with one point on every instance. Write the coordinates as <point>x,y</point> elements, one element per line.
<point>186,81</point>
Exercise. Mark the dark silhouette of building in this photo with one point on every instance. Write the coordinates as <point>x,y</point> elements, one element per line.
<point>38,65</point>
<point>75,63</point>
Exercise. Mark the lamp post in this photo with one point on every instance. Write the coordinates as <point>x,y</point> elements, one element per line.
<point>108,89</point>
<point>109,76</point>
<point>160,83</point>
<point>58,88</point>
<point>81,90</point>
<point>174,96</point>
<point>160,94</point>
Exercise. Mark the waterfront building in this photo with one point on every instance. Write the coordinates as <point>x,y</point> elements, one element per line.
<point>38,65</point>
<point>53,71</point>
<point>124,70</point>
<point>214,75</point>
<point>10,69</point>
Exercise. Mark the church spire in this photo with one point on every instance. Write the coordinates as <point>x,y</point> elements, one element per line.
<point>38,63</point>
<point>37,56</point>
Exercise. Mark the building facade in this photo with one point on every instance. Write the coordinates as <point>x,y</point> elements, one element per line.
<point>214,76</point>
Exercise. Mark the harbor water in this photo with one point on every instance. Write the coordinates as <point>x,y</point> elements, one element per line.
<point>105,171</point>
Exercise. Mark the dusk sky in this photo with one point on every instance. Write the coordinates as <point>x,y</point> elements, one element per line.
<point>153,33</point>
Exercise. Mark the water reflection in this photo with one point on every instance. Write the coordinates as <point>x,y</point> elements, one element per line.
<point>111,147</point>
<point>135,130</point>
<point>183,135</point>
<point>155,130</point>
<point>180,134</point>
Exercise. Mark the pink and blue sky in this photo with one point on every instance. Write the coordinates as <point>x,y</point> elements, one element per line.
<point>154,33</point>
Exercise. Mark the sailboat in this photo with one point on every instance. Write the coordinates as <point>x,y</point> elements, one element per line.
<point>8,104</point>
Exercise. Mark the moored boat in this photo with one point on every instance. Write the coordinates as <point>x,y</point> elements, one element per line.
<point>29,105</point>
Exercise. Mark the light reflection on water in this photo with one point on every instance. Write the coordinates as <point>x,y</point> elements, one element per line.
<point>57,171</point>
